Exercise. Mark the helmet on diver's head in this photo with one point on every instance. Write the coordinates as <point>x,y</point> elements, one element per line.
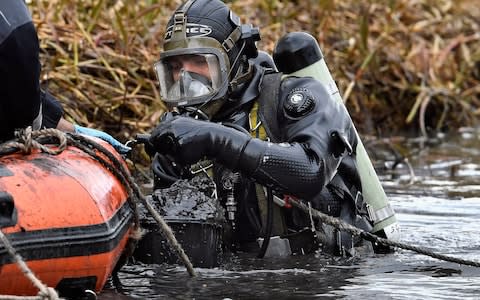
<point>205,55</point>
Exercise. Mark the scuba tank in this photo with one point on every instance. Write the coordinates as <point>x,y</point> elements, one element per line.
<point>298,54</point>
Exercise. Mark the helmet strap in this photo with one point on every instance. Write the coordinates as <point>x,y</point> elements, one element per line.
<point>242,76</point>
<point>179,29</point>
<point>232,39</point>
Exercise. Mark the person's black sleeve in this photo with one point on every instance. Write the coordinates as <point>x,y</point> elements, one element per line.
<point>20,95</point>
<point>52,110</point>
<point>19,77</point>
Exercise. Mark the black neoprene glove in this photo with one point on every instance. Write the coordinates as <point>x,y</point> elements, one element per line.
<point>188,140</point>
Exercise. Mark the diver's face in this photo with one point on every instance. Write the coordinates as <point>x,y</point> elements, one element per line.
<point>188,77</point>
<point>190,63</point>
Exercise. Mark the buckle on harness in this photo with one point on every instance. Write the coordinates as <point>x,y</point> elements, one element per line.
<point>380,214</point>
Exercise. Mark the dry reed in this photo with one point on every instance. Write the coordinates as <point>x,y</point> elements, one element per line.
<point>401,65</point>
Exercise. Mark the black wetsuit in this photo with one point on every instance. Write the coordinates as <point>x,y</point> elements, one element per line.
<point>20,95</point>
<point>311,156</point>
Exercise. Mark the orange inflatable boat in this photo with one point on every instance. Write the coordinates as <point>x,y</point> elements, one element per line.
<point>66,215</point>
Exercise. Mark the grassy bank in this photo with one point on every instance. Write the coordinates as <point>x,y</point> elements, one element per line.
<point>400,65</point>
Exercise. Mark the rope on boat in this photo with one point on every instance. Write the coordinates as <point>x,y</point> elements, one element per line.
<point>122,173</point>
<point>339,224</point>
<point>44,293</point>
<point>27,140</point>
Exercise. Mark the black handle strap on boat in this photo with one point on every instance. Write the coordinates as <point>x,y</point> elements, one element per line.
<point>339,224</point>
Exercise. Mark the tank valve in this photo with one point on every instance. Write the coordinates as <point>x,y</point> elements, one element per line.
<point>231,205</point>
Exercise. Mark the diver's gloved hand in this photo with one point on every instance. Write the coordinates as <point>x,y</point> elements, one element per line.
<point>145,138</point>
<point>188,140</point>
<point>121,148</point>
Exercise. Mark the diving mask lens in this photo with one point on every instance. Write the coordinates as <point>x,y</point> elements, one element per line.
<point>188,77</point>
<point>189,85</point>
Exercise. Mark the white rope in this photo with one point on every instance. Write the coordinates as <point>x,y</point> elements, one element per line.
<point>45,292</point>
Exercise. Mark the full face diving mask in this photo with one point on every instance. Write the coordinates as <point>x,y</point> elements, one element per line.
<point>191,76</point>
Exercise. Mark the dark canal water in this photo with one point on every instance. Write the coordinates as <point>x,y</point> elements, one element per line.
<point>437,202</point>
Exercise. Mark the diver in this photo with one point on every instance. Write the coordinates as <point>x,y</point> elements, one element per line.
<point>268,138</point>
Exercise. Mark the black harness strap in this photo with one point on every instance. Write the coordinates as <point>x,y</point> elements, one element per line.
<point>268,104</point>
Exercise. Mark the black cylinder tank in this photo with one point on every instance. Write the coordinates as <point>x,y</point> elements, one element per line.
<point>295,51</point>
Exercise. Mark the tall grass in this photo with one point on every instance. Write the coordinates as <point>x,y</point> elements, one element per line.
<point>400,64</point>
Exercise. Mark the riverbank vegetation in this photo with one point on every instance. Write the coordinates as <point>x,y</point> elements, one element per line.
<point>401,65</point>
